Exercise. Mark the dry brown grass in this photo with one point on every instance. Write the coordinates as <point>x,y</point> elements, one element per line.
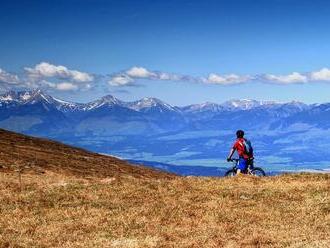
<point>70,197</point>
<point>25,153</point>
<point>55,210</point>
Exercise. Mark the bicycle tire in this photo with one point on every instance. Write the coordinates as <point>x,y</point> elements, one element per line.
<point>257,171</point>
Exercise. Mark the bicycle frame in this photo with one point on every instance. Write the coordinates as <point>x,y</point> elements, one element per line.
<point>247,171</point>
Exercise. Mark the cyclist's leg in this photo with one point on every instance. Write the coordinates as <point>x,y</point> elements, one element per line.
<point>250,165</point>
<point>242,165</point>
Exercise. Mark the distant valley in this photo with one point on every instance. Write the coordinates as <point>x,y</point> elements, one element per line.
<point>286,136</point>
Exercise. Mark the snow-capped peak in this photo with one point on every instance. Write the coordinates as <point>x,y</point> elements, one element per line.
<point>23,97</point>
<point>9,96</point>
<point>149,102</point>
<point>108,100</point>
<point>35,96</point>
<point>207,106</point>
<point>245,104</point>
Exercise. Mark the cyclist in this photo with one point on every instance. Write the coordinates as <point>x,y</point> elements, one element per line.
<point>244,150</point>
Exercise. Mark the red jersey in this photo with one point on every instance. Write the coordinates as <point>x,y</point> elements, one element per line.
<point>239,147</point>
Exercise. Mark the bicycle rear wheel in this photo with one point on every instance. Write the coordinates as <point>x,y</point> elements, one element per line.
<point>256,171</point>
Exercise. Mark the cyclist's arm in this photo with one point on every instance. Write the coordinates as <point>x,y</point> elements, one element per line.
<point>232,150</point>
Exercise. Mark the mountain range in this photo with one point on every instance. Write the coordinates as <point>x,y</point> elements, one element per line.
<point>284,134</point>
<point>152,112</point>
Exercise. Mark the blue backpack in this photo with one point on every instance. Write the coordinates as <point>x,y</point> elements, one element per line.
<point>248,149</point>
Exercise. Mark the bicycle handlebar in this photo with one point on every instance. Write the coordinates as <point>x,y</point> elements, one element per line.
<point>236,159</point>
<point>233,160</point>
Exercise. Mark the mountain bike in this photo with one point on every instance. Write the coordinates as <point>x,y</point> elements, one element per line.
<point>251,170</point>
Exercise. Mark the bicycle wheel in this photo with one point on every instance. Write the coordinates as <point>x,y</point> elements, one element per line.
<point>230,173</point>
<point>256,171</point>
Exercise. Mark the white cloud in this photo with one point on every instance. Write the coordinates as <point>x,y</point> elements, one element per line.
<point>66,86</point>
<point>171,77</point>
<point>140,72</point>
<point>45,75</point>
<point>321,75</point>
<point>120,80</point>
<point>60,86</point>
<point>8,79</point>
<point>292,78</point>
<point>83,77</point>
<point>165,76</point>
<point>46,70</point>
<point>58,77</point>
<point>131,75</point>
<point>42,84</point>
<point>229,79</point>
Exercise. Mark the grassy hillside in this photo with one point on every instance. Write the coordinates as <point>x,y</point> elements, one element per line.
<point>41,155</point>
<point>53,210</point>
<point>69,197</point>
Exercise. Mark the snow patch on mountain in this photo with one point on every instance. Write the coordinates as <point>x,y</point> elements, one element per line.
<point>149,102</point>
<point>25,96</point>
<point>207,106</point>
<point>108,100</point>
<point>6,98</point>
<point>9,96</point>
<point>246,104</point>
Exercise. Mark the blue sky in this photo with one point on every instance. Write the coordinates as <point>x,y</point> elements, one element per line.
<point>179,51</point>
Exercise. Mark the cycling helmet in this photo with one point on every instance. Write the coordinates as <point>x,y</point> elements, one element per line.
<point>240,133</point>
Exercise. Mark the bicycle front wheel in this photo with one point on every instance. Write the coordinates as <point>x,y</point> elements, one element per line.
<point>230,173</point>
<point>256,171</point>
